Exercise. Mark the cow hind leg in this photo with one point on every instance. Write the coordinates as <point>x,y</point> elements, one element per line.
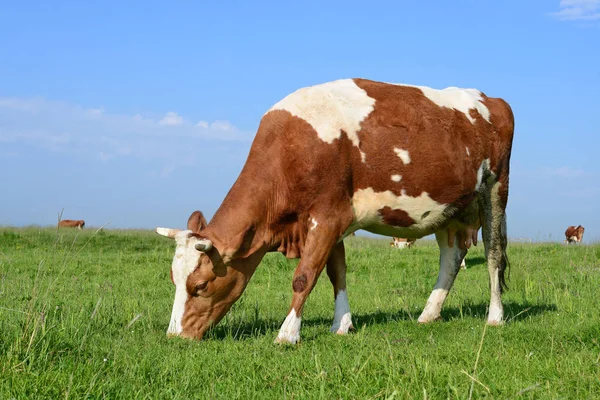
<point>336,270</point>
<point>450,260</point>
<point>495,240</point>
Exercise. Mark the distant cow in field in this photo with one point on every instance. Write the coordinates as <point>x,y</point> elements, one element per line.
<point>574,234</point>
<point>71,223</point>
<point>401,243</point>
<point>327,160</point>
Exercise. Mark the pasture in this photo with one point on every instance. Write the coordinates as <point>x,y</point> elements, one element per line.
<point>83,314</point>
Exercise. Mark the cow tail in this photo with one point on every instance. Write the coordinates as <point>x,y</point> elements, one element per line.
<point>504,264</point>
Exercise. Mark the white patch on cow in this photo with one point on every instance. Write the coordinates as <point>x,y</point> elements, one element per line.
<point>403,154</point>
<point>290,329</point>
<point>396,178</point>
<point>496,313</point>
<point>342,320</point>
<point>366,203</point>
<point>463,264</point>
<point>175,327</point>
<point>314,224</point>
<point>459,99</point>
<point>468,152</point>
<point>485,166</point>
<point>363,156</point>
<point>434,305</point>
<point>185,262</point>
<point>331,108</point>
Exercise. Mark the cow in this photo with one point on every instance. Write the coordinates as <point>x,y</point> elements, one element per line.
<point>400,243</point>
<point>574,234</point>
<point>327,160</point>
<point>71,223</point>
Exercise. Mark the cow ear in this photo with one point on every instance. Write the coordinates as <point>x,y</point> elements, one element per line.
<point>196,222</point>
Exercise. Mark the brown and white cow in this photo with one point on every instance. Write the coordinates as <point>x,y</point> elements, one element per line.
<point>574,234</point>
<point>71,223</point>
<point>400,243</point>
<point>327,160</point>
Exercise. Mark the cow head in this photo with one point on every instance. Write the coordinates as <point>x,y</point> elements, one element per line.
<point>580,230</point>
<point>205,288</point>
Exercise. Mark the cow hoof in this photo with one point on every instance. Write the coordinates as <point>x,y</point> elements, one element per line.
<point>427,320</point>
<point>495,322</point>
<point>342,331</point>
<point>287,340</point>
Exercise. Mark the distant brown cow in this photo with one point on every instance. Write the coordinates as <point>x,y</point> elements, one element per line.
<point>574,234</point>
<point>71,223</point>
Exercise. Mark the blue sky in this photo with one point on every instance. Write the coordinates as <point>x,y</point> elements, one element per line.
<point>138,113</point>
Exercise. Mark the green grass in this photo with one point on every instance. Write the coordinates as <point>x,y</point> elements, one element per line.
<point>84,315</point>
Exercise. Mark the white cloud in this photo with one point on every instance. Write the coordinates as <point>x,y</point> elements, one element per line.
<point>98,134</point>
<point>578,10</point>
<point>221,126</point>
<point>172,118</point>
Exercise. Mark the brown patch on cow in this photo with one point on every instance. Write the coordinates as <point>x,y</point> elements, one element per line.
<point>396,217</point>
<point>299,283</point>
<point>435,138</point>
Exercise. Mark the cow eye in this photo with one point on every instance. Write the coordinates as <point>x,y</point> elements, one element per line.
<point>201,286</point>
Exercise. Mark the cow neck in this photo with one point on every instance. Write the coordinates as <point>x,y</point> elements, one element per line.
<point>239,227</point>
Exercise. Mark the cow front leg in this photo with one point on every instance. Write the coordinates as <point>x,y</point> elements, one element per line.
<point>319,243</point>
<point>450,260</point>
<point>336,270</point>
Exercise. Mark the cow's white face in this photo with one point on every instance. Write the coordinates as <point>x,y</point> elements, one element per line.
<point>185,261</point>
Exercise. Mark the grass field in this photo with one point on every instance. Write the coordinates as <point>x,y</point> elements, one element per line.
<point>84,315</point>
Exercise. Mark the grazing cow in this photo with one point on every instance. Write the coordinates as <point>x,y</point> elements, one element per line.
<point>574,234</point>
<point>71,223</point>
<point>327,160</point>
<point>401,243</point>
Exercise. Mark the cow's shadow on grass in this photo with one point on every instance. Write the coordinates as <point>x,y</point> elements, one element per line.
<point>476,261</point>
<point>513,311</point>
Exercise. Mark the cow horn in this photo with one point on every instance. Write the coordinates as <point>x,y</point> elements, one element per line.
<point>203,245</point>
<point>168,232</point>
